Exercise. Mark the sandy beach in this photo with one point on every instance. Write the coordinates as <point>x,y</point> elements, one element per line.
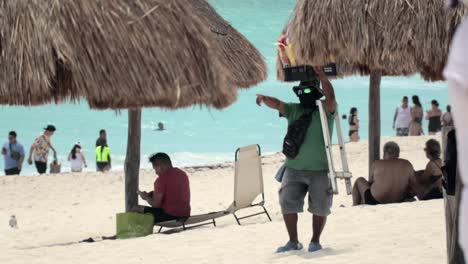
<point>54,212</point>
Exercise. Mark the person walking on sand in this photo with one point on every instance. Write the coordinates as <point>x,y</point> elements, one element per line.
<point>402,118</point>
<point>77,159</point>
<point>306,165</point>
<point>13,153</point>
<point>353,125</point>
<point>417,115</point>
<point>103,157</point>
<point>39,151</point>
<point>434,117</point>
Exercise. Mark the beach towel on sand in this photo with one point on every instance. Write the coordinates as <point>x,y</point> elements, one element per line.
<point>134,225</point>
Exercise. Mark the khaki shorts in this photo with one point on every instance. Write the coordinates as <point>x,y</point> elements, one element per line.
<point>297,184</point>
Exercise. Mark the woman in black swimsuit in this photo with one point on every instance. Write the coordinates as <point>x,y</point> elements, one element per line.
<point>417,113</point>
<point>427,184</point>
<point>353,125</point>
<point>433,116</point>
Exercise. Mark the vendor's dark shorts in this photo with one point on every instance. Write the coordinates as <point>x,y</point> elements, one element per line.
<point>295,186</point>
<point>369,198</point>
<point>159,214</point>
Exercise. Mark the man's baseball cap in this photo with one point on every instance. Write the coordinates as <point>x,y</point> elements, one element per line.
<point>50,128</point>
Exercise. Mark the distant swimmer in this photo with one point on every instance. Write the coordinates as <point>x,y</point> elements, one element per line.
<point>161,126</point>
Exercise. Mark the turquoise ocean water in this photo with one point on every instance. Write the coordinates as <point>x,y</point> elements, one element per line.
<point>197,135</point>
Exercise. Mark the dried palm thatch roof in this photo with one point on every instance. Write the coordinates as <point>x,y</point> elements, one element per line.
<point>242,60</point>
<point>396,37</point>
<point>115,54</point>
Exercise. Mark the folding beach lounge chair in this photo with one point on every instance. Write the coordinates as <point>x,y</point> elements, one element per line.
<point>193,221</point>
<point>248,181</point>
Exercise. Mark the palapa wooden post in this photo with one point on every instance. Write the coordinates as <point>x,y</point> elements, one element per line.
<point>374,117</point>
<point>132,159</point>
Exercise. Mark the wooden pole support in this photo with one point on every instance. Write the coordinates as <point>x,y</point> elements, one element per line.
<point>132,159</point>
<point>374,117</point>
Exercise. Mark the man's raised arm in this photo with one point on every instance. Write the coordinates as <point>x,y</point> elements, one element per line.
<point>272,103</point>
<point>330,99</point>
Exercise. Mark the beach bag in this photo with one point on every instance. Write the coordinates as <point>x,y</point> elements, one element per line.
<point>55,167</point>
<point>134,225</point>
<point>15,155</point>
<point>296,134</point>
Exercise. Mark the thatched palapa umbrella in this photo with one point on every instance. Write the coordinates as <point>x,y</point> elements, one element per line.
<point>243,61</point>
<point>116,55</point>
<point>376,38</point>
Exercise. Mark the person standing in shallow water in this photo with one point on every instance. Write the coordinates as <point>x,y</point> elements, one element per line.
<point>434,116</point>
<point>447,120</point>
<point>99,141</point>
<point>103,157</point>
<point>417,114</point>
<point>306,175</point>
<point>353,125</point>
<point>39,151</point>
<point>77,159</point>
<point>402,119</point>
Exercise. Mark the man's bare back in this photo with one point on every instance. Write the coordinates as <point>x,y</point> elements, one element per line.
<point>390,179</point>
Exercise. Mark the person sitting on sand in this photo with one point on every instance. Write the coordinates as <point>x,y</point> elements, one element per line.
<point>388,181</point>
<point>427,184</point>
<point>170,199</point>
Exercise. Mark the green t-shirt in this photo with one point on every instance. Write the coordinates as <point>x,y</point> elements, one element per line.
<point>312,155</point>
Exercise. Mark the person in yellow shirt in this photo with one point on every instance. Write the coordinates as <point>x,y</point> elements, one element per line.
<point>103,157</point>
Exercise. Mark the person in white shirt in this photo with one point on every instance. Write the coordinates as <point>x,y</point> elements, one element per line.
<point>456,72</point>
<point>402,119</point>
<point>77,159</point>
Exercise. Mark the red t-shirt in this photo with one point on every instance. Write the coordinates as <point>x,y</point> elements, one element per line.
<point>174,184</point>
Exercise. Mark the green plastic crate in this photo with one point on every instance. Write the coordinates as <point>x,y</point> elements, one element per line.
<point>134,225</point>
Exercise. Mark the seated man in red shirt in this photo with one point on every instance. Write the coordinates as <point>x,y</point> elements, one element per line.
<point>170,199</point>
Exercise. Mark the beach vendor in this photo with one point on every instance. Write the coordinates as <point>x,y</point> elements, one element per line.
<point>170,199</point>
<point>306,164</point>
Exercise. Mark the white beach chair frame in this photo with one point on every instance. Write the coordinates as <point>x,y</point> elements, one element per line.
<point>254,191</point>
